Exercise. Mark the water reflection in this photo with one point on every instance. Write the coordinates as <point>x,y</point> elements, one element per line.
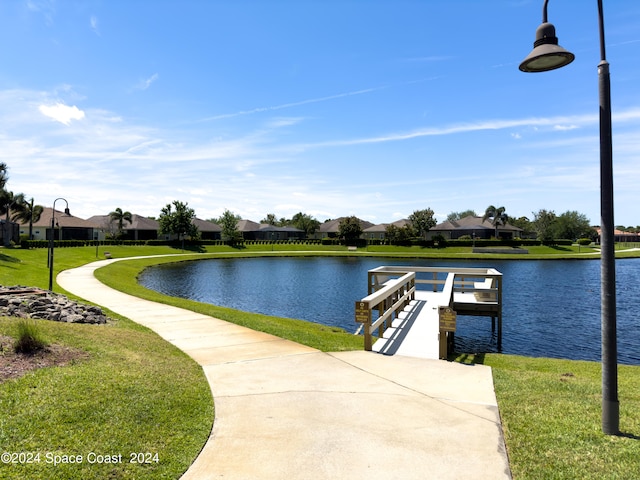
<point>550,308</point>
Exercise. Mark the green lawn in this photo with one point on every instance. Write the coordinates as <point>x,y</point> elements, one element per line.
<point>127,396</point>
<point>135,393</point>
<point>551,418</point>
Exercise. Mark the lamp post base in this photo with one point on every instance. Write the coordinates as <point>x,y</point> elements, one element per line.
<point>610,417</point>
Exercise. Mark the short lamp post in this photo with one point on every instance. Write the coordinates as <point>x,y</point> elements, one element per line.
<point>51,239</point>
<point>548,55</point>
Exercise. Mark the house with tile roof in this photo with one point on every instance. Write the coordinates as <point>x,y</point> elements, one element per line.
<point>619,236</point>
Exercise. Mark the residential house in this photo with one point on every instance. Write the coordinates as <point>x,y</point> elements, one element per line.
<point>140,228</point>
<point>330,228</point>
<point>272,232</point>
<point>208,230</point>
<point>248,229</point>
<point>263,231</point>
<point>378,232</point>
<point>66,227</point>
<point>474,227</point>
<point>620,236</point>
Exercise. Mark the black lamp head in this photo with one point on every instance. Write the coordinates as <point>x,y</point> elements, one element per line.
<point>546,54</point>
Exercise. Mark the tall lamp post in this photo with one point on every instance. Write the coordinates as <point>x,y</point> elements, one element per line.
<point>51,239</point>
<point>548,55</point>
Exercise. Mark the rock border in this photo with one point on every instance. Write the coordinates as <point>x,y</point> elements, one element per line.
<point>30,302</point>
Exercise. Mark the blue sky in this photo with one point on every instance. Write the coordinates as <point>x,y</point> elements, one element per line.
<point>332,108</point>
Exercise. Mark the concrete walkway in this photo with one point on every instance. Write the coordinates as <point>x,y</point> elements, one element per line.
<point>287,411</point>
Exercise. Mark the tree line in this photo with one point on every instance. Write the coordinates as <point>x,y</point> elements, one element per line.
<point>176,218</point>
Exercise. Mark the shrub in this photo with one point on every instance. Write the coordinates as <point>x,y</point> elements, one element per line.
<point>584,241</point>
<point>439,241</point>
<point>29,338</point>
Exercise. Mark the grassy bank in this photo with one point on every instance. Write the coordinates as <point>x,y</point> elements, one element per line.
<point>29,267</point>
<point>551,418</point>
<point>550,409</point>
<point>122,276</point>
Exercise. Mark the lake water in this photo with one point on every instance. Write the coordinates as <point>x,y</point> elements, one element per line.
<point>550,308</point>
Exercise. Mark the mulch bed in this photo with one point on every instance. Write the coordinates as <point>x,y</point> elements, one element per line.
<point>15,365</point>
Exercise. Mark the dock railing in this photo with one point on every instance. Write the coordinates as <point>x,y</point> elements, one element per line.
<point>468,291</point>
<point>389,300</point>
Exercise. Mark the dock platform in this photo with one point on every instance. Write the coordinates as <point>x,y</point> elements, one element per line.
<point>410,320</point>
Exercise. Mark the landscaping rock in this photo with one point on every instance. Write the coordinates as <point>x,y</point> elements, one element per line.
<point>29,302</point>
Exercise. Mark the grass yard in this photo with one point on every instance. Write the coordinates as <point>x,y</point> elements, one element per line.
<point>551,418</point>
<point>135,393</point>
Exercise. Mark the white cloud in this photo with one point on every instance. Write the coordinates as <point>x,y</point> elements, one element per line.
<point>293,104</point>
<point>94,24</point>
<point>144,84</point>
<point>44,7</point>
<point>562,123</point>
<point>61,113</point>
<point>484,125</point>
<point>278,122</point>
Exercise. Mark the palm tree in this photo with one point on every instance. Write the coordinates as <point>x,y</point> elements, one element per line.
<point>305,222</point>
<point>27,212</point>
<point>270,219</point>
<point>497,216</point>
<point>119,216</point>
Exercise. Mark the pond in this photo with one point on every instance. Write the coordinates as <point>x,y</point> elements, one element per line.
<point>551,308</point>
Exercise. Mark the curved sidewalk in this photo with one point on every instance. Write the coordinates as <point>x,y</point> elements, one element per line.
<point>287,411</point>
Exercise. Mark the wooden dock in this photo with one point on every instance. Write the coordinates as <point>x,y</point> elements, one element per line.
<point>415,332</point>
<point>421,322</point>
